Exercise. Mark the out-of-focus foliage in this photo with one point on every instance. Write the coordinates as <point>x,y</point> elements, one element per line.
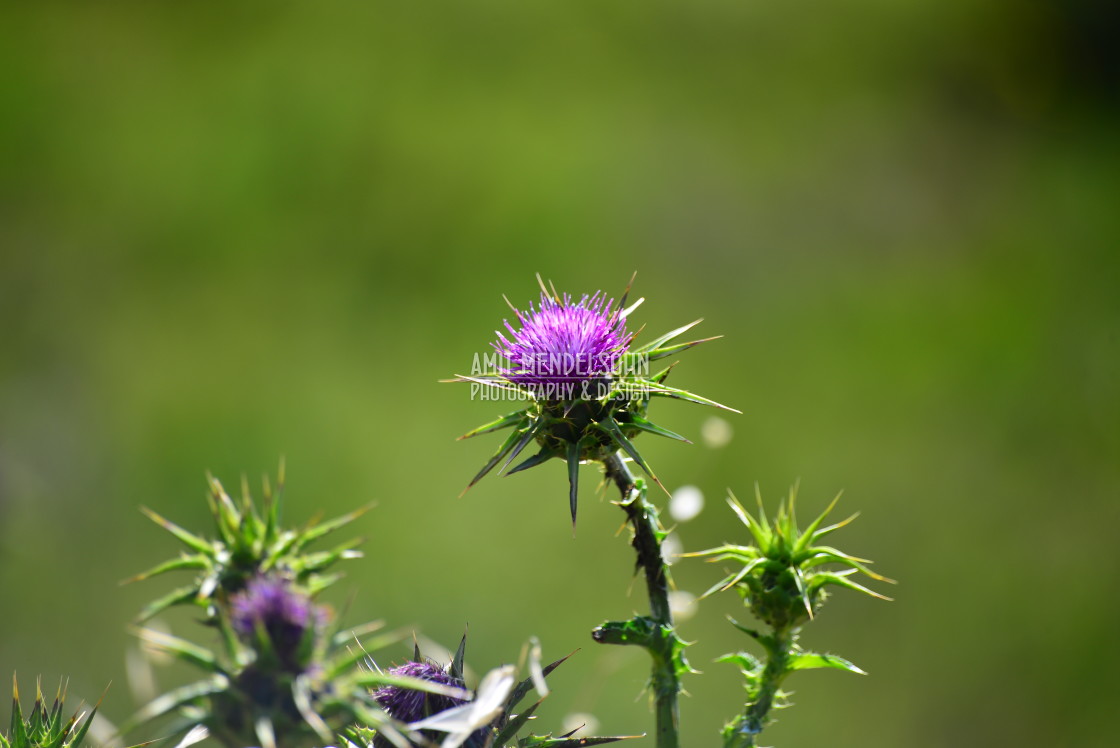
<point>231,233</point>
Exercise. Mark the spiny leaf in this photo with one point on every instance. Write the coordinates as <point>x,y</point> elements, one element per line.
<point>765,640</point>
<point>826,555</point>
<point>515,723</point>
<point>641,423</point>
<point>547,741</point>
<point>760,529</point>
<point>524,686</point>
<point>808,660</point>
<point>527,437</point>
<point>745,660</point>
<point>503,450</point>
<point>312,534</point>
<point>182,649</point>
<point>174,699</point>
<point>186,537</point>
<point>573,478</point>
<point>543,456</point>
<point>664,390</point>
<point>656,343</point>
<point>459,659</point>
<point>175,597</point>
<point>809,536</point>
<point>510,419</point>
<point>733,579</point>
<point>197,561</point>
<point>840,580</point>
<point>679,347</point>
<point>611,428</point>
<point>834,527</point>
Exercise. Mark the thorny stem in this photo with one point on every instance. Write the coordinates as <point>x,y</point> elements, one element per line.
<point>743,731</point>
<point>655,633</point>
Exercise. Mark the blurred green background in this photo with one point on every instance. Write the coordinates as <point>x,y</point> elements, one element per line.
<point>231,232</point>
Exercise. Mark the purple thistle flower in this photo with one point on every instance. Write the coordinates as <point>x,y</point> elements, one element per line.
<point>407,705</point>
<point>274,606</point>
<point>564,347</point>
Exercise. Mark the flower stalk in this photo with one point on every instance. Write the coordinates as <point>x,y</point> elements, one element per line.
<point>654,632</point>
<point>588,391</point>
<point>783,580</point>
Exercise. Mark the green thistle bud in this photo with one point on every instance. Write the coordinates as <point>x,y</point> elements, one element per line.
<point>783,581</point>
<point>786,572</point>
<point>44,728</point>
<point>250,543</point>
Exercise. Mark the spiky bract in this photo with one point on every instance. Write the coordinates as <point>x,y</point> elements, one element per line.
<point>783,580</point>
<point>46,728</point>
<point>588,389</point>
<point>249,542</point>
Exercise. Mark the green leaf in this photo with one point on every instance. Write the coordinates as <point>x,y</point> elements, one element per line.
<point>839,579</point>
<point>766,640</point>
<point>573,478</point>
<point>656,343</point>
<point>760,529</point>
<point>187,538</point>
<point>641,423</point>
<point>313,562</point>
<point>809,660</point>
<point>799,580</point>
<point>745,660</point>
<point>457,661</point>
<point>826,555</point>
<point>183,650</point>
<point>543,456</point>
<point>679,347</point>
<point>664,390</point>
<point>18,732</point>
<point>197,561</point>
<point>527,437</point>
<point>510,419</point>
<point>522,688</point>
<point>315,532</point>
<point>515,723</point>
<point>807,537</point>
<point>733,579</point>
<point>608,426</point>
<point>503,450</point>
<point>175,597</point>
<point>174,699</point>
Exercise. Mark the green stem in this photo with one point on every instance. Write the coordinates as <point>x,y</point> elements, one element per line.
<point>744,730</point>
<point>655,633</point>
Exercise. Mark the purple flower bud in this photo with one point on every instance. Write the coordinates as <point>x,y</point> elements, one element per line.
<point>564,350</point>
<point>407,705</point>
<point>283,613</point>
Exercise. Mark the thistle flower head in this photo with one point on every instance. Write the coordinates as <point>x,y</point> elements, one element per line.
<point>588,388</point>
<point>409,705</point>
<point>274,608</point>
<point>564,348</point>
<point>490,717</point>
